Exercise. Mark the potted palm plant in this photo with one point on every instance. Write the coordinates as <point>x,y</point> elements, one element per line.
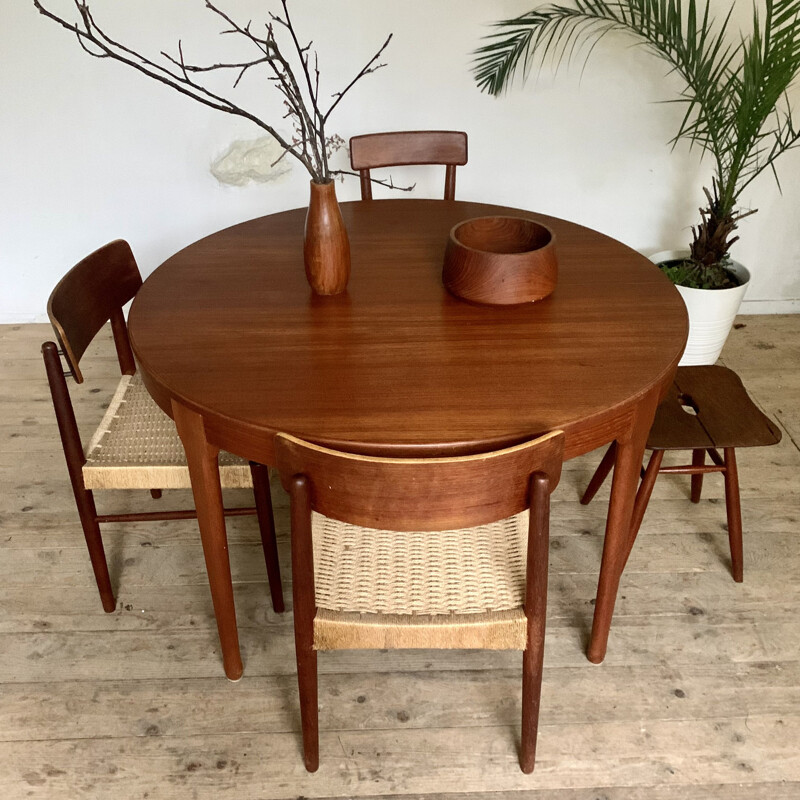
<point>736,111</point>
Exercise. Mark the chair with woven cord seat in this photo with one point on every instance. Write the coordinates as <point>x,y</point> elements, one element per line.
<point>419,553</point>
<point>136,445</point>
<point>408,148</point>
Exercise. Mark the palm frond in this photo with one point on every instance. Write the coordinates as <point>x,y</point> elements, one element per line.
<point>732,89</point>
<point>770,63</point>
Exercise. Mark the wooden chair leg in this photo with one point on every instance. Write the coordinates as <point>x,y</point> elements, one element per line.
<point>75,458</point>
<point>87,512</point>
<point>643,495</point>
<point>645,490</point>
<point>536,612</point>
<point>734,509</point>
<point>305,610</point>
<point>155,494</point>
<point>266,523</point>
<point>532,659</point>
<point>698,459</point>
<point>600,474</point>
<point>309,707</point>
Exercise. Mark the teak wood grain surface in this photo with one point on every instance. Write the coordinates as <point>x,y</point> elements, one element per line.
<point>396,366</point>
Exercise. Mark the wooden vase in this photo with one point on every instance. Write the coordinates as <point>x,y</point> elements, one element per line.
<point>326,248</point>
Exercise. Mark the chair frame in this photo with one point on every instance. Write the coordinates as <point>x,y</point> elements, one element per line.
<point>408,148</point>
<point>92,293</point>
<point>724,463</point>
<point>499,485</point>
<point>706,411</point>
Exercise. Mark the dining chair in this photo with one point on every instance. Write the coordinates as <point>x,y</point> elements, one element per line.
<point>136,445</point>
<point>419,553</point>
<point>406,148</point>
<point>707,409</point>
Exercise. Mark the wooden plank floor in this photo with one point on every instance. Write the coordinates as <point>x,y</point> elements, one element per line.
<point>699,696</point>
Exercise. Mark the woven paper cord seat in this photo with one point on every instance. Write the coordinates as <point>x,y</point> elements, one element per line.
<point>444,589</point>
<point>137,446</point>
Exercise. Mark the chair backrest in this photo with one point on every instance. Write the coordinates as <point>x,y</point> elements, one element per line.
<point>406,494</point>
<point>89,295</point>
<point>406,148</point>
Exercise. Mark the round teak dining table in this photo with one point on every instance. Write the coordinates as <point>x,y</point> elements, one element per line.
<point>233,344</point>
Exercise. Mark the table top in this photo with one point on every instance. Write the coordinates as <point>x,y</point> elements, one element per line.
<point>396,365</point>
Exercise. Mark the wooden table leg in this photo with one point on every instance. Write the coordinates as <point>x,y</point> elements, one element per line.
<point>617,544</point>
<point>204,474</point>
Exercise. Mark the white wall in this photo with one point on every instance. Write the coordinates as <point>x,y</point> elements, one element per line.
<point>93,151</point>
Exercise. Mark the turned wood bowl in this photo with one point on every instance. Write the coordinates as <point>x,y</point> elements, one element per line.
<point>500,261</point>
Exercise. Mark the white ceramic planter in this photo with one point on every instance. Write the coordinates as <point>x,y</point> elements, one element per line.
<point>711,312</point>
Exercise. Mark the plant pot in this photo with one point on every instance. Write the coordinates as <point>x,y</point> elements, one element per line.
<point>711,312</point>
<point>326,247</point>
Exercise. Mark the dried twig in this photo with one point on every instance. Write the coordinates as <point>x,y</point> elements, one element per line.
<point>387,182</point>
<point>366,70</point>
<point>310,144</point>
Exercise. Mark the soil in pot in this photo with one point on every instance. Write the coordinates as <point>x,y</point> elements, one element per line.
<point>683,272</point>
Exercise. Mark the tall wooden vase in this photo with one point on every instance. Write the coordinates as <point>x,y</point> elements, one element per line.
<point>326,248</point>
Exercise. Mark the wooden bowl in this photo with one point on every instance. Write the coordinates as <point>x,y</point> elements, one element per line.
<point>500,261</point>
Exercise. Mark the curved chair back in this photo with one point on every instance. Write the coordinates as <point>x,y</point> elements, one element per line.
<point>406,148</point>
<point>89,295</point>
<point>407,494</point>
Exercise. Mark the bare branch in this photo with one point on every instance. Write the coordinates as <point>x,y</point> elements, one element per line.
<point>364,71</point>
<point>181,83</point>
<point>212,67</point>
<point>279,158</point>
<point>309,143</point>
<point>282,71</point>
<point>86,49</point>
<point>302,53</point>
<point>388,183</point>
<point>317,141</point>
<point>262,44</point>
<point>195,68</point>
<point>316,79</point>
<point>183,62</point>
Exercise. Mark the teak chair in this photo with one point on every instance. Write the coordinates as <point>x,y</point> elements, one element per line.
<point>707,409</point>
<point>365,575</point>
<point>408,148</point>
<point>136,445</point>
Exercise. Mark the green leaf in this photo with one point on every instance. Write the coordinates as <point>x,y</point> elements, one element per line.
<point>736,107</point>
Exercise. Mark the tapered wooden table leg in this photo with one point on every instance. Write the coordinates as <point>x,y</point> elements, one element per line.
<point>204,474</point>
<point>617,544</point>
